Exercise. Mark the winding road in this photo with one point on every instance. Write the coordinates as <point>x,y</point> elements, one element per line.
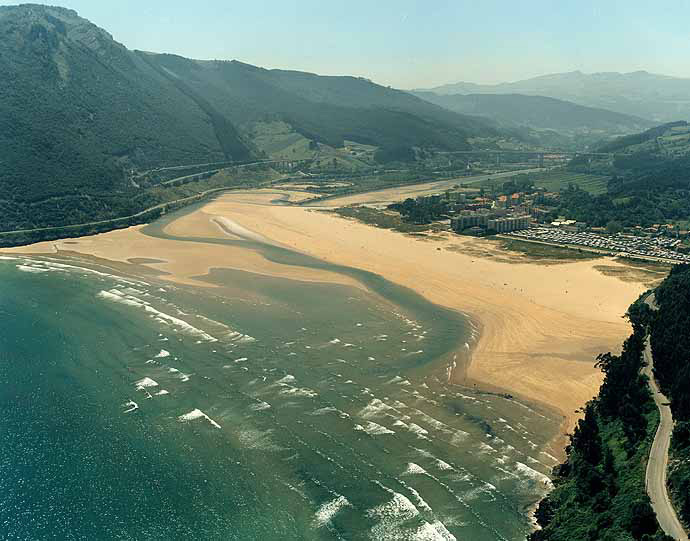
<point>657,465</point>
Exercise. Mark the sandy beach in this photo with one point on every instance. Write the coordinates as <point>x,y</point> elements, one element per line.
<point>542,324</point>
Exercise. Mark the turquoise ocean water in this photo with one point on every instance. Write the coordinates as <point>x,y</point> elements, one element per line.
<point>261,408</point>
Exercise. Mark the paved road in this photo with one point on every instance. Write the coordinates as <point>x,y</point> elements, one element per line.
<point>657,464</point>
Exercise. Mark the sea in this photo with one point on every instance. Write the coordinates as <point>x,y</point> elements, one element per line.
<point>255,408</point>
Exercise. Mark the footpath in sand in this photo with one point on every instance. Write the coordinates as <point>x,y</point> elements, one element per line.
<point>542,325</point>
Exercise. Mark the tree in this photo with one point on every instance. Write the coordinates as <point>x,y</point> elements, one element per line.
<point>614,227</point>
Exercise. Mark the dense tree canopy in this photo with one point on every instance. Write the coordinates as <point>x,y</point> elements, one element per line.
<point>599,491</point>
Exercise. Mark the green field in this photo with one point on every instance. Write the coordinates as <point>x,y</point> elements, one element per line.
<point>281,142</point>
<point>557,180</point>
<point>384,219</point>
<point>554,180</point>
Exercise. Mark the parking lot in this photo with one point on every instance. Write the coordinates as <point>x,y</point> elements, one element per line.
<point>656,247</point>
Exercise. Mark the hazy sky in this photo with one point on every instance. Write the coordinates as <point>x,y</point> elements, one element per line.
<point>409,43</point>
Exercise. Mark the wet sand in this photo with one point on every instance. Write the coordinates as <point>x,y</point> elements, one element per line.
<point>542,325</point>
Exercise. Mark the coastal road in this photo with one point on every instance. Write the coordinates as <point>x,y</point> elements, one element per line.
<point>657,465</point>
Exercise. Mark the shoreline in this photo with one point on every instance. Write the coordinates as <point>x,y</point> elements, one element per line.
<point>540,325</point>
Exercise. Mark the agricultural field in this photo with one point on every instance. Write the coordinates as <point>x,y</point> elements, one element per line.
<point>279,141</point>
<point>557,180</point>
<point>553,180</point>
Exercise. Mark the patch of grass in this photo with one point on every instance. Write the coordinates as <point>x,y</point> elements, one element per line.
<point>384,219</point>
<point>537,250</point>
<point>557,180</point>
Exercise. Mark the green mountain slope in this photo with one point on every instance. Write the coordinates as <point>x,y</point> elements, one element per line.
<point>539,112</point>
<point>649,181</point>
<point>656,97</point>
<point>326,109</point>
<point>80,113</point>
<point>600,491</point>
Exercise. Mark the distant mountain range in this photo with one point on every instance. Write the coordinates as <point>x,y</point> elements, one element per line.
<point>79,111</point>
<point>539,112</point>
<point>655,97</point>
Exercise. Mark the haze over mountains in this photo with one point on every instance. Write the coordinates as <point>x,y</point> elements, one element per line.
<point>655,97</point>
<point>539,112</point>
<point>59,66</point>
<point>94,110</point>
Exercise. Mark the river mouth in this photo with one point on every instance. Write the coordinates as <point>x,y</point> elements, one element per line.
<point>292,409</point>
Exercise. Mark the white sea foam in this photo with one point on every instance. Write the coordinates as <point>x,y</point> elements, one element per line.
<point>485,448</point>
<point>32,269</point>
<point>436,531</point>
<point>533,474</point>
<point>374,429</point>
<point>145,383</point>
<point>443,465</point>
<point>400,507</point>
<point>414,469</point>
<point>131,405</point>
<point>324,411</point>
<point>54,266</point>
<point>299,392</point>
<point>419,502</point>
<point>287,379</point>
<point>197,414</point>
<point>551,457</point>
<point>334,341</point>
<point>416,429</point>
<point>392,517</point>
<point>260,406</point>
<point>119,296</point>
<point>374,408</point>
<point>438,425</point>
<point>162,392</point>
<point>329,509</point>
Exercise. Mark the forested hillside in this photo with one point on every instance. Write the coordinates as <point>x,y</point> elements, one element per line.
<point>649,180</point>
<point>79,112</point>
<point>326,109</point>
<point>599,492</point>
<point>670,337</point>
<point>81,115</point>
